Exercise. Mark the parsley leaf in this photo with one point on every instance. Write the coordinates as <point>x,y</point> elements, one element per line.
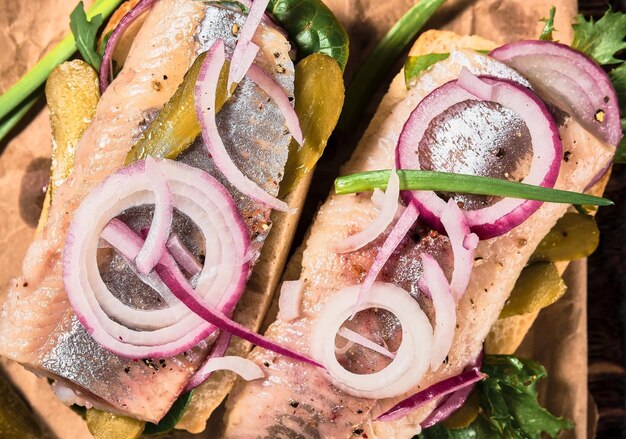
<point>546,33</point>
<point>86,34</point>
<point>602,39</point>
<point>508,404</point>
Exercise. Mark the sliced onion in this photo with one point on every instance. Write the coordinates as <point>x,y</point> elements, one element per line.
<point>247,60</point>
<point>205,91</point>
<point>507,213</point>
<point>106,65</point>
<point>357,338</point>
<point>290,300</point>
<point>135,333</point>
<point>472,84</point>
<point>154,246</point>
<point>463,243</point>
<point>434,282</point>
<point>345,348</point>
<point>397,234</point>
<point>205,371</point>
<point>246,369</point>
<point>176,282</point>
<point>238,67</point>
<point>454,401</point>
<point>570,80</point>
<point>412,359</point>
<point>379,225</point>
<point>183,256</point>
<point>438,390</point>
<point>278,95</point>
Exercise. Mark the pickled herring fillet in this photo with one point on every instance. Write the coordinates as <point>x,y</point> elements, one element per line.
<point>38,327</point>
<point>296,400</point>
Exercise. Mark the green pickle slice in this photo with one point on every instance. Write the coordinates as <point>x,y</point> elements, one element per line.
<point>538,286</point>
<point>319,92</point>
<point>176,126</point>
<point>574,236</point>
<point>105,425</point>
<point>16,420</point>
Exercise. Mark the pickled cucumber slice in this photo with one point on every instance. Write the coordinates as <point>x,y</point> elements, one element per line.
<point>574,236</point>
<point>105,425</point>
<point>538,286</point>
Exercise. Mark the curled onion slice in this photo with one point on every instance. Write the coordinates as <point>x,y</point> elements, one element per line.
<point>397,234</point>
<point>280,98</point>
<point>137,333</point>
<point>569,79</point>
<point>357,338</point>
<point>438,390</point>
<point>386,215</point>
<point>246,369</point>
<point>206,370</point>
<point>183,256</point>
<point>434,282</point>
<point>106,66</point>
<point>154,246</point>
<point>412,359</point>
<point>505,214</point>
<point>239,64</point>
<point>290,300</point>
<point>463,243</point>
<point>205,91</point>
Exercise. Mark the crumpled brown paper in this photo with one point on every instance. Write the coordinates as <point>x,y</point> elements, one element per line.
<point>29,29</point>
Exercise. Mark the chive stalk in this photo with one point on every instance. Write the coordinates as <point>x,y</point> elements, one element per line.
<point>462,183</point>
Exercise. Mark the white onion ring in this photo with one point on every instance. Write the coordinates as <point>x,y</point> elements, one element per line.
<point>154,246</point>
<point>412,359</point>
<point>385,217</point>
<point>435,284</point>
<point>205,91</point>
<point>209,205</point>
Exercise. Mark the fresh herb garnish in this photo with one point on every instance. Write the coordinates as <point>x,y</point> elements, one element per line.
<point>462,183</point>
<point>85,33</point>
<point>546,33</point>
<point>508,404</point>
<point>377,64</point>
<point>171,418</point>
<point>415,65</point>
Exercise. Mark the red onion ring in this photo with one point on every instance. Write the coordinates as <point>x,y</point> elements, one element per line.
<point>570,79</point>
<point>507,213</point>
<point>434,283</point>
<point>385,217</point>
<point>463,243</point>
<point>438,390</point>
<point>106,66</point>
<point>207,203</point>
<point>397,234</point>
<point>278,95</point>
<point>239,63</point>
<point>154,246</point>
<point>205,91</point>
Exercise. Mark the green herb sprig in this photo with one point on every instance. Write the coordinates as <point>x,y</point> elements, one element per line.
<point>546,33</point>
<point>462,183</point>
<point>16,102</point>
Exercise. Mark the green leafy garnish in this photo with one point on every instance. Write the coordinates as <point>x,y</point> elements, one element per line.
<point>546,33</point>
<point>508,404</point>
<point>415,65</point>
<point>377,64</point>
<point>85,33</point>
<point>172,417</point>
<point>462,183</point>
